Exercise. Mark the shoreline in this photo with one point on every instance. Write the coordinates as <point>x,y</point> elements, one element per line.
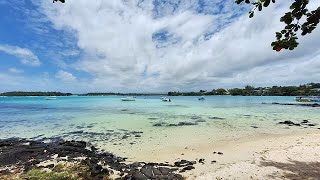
<point>258,157</point>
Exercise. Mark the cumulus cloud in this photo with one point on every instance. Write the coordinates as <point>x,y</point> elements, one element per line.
<point>15,70</point>
<point>65,76</point>
<point>25,55</point>
<point>173,45</point>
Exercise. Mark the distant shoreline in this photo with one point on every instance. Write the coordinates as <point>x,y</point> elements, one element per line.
<point>84,95</point>
<point>310,89</point>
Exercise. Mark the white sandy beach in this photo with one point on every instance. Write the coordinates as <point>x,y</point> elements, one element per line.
<point>295,156</point>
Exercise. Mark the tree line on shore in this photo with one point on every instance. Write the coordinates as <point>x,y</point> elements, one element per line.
<point>23,93</point>
<point>311,89</point>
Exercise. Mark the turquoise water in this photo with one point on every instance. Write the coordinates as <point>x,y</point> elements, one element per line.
<point>115,125</point>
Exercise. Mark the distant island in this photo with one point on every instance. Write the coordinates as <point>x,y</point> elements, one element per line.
<point>311,89</point>
<point>122,94</point>
<point>22,93</point>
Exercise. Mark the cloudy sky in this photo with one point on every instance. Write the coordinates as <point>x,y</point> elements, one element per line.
<point>147,46</point>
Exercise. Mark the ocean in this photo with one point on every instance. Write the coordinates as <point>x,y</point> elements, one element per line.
<point>148,126</point>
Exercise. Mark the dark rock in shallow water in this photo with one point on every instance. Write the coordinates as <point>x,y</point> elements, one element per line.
<point>289,123</point>
<point>200,120</point>
<point>173,125</point>
<point>298,104</point>
<point>304,121</point>
<point>75,132</point>
<point>125,136</point>
<point>184,124</point>
<point>255,127</point>
<point>219,118</point>
<point>159,124</point>
<point>311,125</point>
<point>195,117</point>
<point>187,124</point>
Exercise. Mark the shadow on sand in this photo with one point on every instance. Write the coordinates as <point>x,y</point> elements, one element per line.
<point>295,169</point>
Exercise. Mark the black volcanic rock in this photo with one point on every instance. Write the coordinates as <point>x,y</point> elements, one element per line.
<point>26,154</point>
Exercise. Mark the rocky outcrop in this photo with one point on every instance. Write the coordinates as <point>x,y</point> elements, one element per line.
<point>27,154</point>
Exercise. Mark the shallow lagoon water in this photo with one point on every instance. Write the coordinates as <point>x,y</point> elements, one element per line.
<point>126,128</point>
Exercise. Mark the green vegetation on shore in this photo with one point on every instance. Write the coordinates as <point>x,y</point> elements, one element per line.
<point>22,93</point>
<point>122,94</point>
<point>311,89</point>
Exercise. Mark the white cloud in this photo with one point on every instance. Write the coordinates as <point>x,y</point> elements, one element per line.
<point>15,70</point>
<point>210,49</point>
<point>25,55</point>
<point>65,76</point>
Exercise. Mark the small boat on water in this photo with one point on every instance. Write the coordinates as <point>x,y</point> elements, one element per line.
<point>128,99</point>
<point>201,98</point>
<point>308,99</point>
<point>51,98</point>
<point>165,99</point>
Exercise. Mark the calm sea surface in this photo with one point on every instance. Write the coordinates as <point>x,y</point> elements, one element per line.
<point>115,125</point>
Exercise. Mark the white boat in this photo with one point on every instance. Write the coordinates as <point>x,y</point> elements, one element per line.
<point>165,99</point>
<point>128,99</point>
<point>51,98</point>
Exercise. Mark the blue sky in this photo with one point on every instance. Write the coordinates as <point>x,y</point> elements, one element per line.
<point>146,46</point>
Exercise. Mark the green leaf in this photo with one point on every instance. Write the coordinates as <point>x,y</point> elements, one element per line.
<point>251,14</point>
<point>266,3</point>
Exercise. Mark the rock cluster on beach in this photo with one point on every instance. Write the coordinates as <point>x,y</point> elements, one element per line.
<point>27,154</point>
